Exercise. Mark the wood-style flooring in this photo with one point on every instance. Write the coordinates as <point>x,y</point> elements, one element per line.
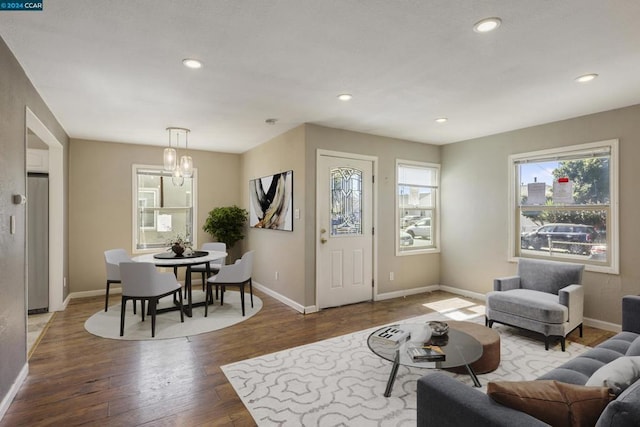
<point>76,378</point>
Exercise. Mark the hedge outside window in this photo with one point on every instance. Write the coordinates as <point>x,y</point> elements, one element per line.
<point>162,211</point>
<point>417,202</point>
<point>564,205</point>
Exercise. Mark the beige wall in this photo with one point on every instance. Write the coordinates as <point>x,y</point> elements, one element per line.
<point>279,251</point>
<point>16,94</point>
<point>411,271</point>
<point>292,255</point>
<point>474,200</point>
<point>100,181</point>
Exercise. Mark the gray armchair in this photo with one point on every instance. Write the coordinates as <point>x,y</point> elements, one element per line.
<point>545,297</point>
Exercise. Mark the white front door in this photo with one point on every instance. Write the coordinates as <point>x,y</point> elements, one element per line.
<point>344,257</point>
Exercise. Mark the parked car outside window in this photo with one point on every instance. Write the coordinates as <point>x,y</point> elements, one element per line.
<point>575,238</point>
<point>420,229</point>
<point>408,220</point>
<point>405,239</point>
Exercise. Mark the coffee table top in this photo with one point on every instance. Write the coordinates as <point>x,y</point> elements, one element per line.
<point>461,348</point>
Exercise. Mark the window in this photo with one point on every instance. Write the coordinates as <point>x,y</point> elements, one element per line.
<point>162,209</point>
<point>417,201</point>
<point>564,205</point>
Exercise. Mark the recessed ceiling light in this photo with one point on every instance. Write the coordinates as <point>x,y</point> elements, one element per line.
<point>192,63</point>
<point>486,25</point>
<point>586,78</point>
<point>345,97</point>
<point>441,120</point>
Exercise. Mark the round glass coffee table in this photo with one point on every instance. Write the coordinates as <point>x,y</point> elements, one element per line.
<point>460,349</point>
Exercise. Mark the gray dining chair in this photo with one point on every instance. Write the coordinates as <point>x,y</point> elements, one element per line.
<point>214,266</point>
<point>112,260</point>
<point>141,281</point>
<point>238,274</point>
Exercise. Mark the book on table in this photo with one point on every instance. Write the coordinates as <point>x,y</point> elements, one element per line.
<point>426,353</point>
<point>390,335</point>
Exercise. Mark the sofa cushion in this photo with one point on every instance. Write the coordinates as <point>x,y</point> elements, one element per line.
<point>575,371</point>
<point>553,402</point>
<point>617,375</point>
<point>620,342</point>
<point>624,411</point>
<point>541,306</point>
<point>634,348</point>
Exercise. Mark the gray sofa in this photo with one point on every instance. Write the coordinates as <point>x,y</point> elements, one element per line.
<point>444,401</point>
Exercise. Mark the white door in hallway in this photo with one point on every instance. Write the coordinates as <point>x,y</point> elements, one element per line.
<point>344,232</point>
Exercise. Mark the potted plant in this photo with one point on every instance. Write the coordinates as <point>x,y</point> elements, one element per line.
<point>226,224</point>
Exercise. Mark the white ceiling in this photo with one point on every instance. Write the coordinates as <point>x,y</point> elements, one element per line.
<point>111,70</point>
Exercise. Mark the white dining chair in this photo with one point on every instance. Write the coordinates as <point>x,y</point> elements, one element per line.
<point>112,260</point>
<point>141,281</point>
<point>214,266</point>
<point>238,274</point>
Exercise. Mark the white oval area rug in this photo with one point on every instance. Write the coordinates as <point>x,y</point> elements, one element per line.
<point>107,325</point>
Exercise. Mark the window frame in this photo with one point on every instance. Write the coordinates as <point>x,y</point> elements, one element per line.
<point>134,206</point>
<point>435,218</point>
<point>613,244</point>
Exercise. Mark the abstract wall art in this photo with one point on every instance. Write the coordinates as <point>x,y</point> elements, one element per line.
<point>272,202</point>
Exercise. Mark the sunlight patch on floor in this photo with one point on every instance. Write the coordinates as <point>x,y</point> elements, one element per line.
<point>457,308</point>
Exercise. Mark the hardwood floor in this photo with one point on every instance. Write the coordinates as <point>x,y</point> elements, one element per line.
<point>76,378</point>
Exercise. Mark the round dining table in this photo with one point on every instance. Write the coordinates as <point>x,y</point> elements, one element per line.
<point>169,259</point>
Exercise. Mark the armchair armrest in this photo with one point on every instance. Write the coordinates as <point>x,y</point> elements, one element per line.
<point>506,283</point>
<point>631,313</point>
<point>572,297</point>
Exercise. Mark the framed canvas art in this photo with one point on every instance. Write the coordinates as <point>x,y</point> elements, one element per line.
<point>272,202</point>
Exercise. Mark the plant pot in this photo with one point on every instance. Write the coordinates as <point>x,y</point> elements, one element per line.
<point>177,249</point>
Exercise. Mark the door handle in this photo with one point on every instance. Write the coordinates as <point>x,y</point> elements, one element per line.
<point>323,240</point>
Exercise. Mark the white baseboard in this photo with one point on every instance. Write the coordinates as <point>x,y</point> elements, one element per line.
<point>462,292</point>
<point>380,297</point>
<point>15,387</point>
<point>607,326</point>
<point>405,292</point>
<point>287,301</point>
<point>86,294</point>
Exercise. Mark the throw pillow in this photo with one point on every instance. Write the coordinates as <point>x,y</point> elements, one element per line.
<point>617,374</point>
<point>551,401</point>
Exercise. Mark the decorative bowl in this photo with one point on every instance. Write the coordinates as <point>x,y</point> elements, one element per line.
<point>420,334</point>
<point>438,328</point>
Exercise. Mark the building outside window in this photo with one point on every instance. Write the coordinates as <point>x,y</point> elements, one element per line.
<point>417,201</point>
<point>163,210</point>
<point>564,205</point>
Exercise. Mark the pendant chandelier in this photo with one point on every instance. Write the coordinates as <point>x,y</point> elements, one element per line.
<point>179,169</point>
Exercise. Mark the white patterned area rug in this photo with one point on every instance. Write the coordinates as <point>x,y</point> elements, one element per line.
<point>340,382</point>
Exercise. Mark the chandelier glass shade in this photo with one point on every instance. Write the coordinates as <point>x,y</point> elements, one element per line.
<point>184,168</point>
<point>177,178</point>
<point>169,159</point>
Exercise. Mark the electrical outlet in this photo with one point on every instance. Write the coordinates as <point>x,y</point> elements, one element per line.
<point>391,276</point>
<point>277,275</point>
